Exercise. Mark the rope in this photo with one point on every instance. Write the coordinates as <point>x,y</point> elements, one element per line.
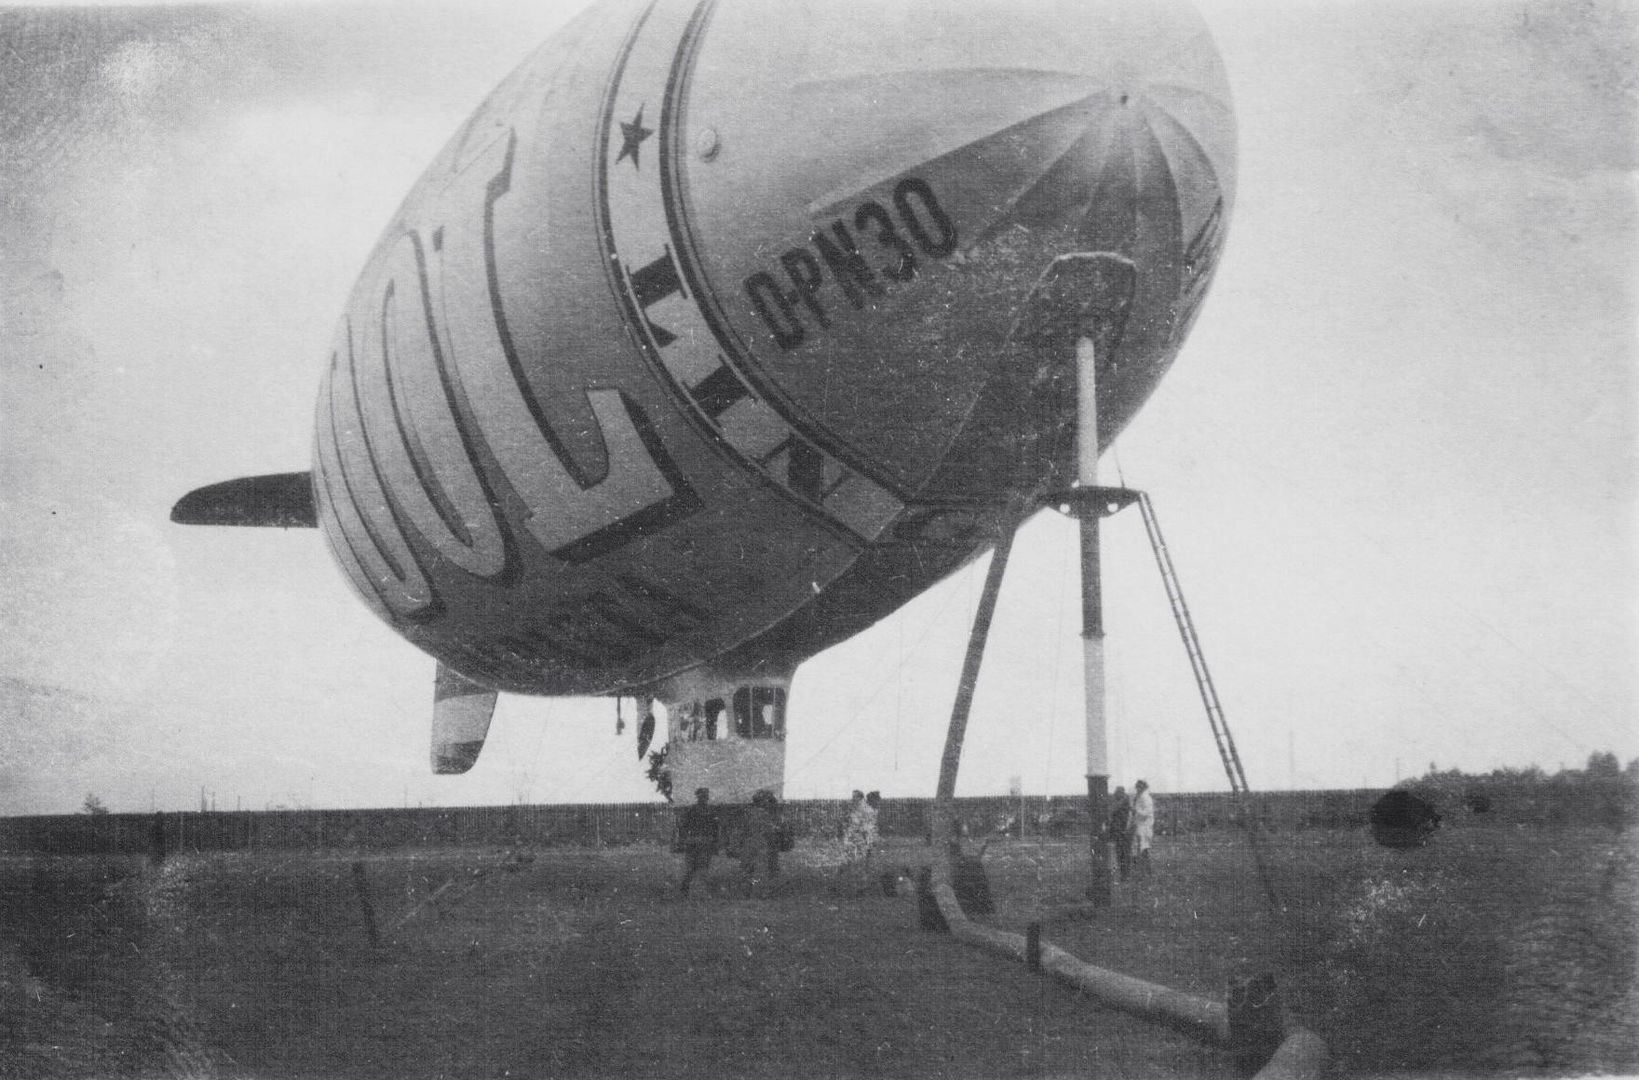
<point>859,712</point>
<point>1268,477</point>
<point>899,690</point>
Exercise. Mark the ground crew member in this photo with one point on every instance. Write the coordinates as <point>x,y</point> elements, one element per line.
<point>1120,831</point>
<point>698,837</point>
<point>1143,824</point>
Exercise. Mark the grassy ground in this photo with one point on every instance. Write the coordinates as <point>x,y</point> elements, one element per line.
<point>1491,951</point>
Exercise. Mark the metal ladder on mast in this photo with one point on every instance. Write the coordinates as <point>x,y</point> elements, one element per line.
<point>1192,646</point>
<point>1105,501</point>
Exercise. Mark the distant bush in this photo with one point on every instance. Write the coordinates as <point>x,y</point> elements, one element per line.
<point>1602,793</point>
<point>659,775</point>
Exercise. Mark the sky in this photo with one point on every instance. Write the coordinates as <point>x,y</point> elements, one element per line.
<point>1394,462</point>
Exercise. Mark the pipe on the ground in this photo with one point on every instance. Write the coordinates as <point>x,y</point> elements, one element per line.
<point>1197,1015</point>
<point>1301,1056</point>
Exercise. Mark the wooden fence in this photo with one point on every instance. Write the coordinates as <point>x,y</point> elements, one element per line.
<point>616,823</point>
<point>1614,802</point>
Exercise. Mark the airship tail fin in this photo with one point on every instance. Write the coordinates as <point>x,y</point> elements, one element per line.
<point>282,500</point>
<point>461,715</point>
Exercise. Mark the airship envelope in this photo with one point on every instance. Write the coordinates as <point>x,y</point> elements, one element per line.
<point>722,328</point>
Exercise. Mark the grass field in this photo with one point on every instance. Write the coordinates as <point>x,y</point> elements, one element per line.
<point>1492,951</point>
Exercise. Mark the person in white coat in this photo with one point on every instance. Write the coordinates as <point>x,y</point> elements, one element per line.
<point>1143,818</point>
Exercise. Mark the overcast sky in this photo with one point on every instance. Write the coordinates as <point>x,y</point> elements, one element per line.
<point>1395,461</point>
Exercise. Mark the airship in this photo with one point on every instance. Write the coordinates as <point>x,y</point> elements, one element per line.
<point>723,328</point>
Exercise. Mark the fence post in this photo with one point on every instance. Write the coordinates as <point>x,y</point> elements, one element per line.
<point>362,887</point>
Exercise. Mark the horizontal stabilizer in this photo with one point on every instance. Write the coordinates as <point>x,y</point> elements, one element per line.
<point>279,500</point>
<point>461,715</point>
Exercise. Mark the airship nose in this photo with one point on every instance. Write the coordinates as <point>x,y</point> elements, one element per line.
<point>871,198</point>
<point>1157,153</point>
<point>1112,115</point>
<point>1018,113</point>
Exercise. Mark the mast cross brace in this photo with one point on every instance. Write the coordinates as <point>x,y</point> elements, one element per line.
<point>1091,502</point>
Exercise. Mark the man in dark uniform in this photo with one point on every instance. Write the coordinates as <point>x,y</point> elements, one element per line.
<point>763,837</point>
<point>697,837</point>
<point>1119,831</point>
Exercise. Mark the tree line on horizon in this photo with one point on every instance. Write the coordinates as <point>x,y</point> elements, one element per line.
<point>1603,791</point>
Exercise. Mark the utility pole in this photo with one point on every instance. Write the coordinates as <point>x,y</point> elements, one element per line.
<point>1081,305</point>
<point>1101,887</point>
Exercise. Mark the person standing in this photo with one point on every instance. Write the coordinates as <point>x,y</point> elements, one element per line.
<point>856,803</point>
<point>698,837</point>
<point>781,836</point>
<point>859,836</point>
<point>1120,831</point>
<point>1143,813</point>
<point>759,844</point>
<point>868,822</point>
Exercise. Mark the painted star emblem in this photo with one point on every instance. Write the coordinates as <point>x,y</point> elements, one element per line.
<point>632,135</point>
